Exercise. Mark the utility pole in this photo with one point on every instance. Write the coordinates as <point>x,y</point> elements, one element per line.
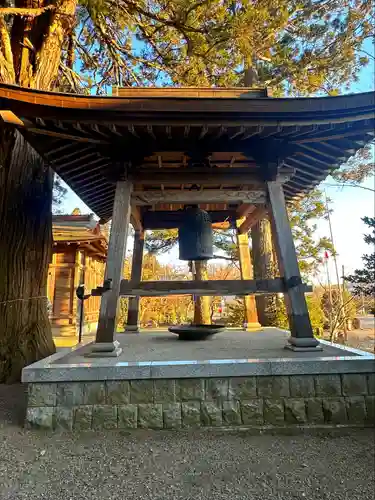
<point>329,294</point>
<point>339,288</point>
<point>343,299</point>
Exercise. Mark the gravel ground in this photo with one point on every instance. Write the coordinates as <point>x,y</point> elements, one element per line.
<point>179,465</point>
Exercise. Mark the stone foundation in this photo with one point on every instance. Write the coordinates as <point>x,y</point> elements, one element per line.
<point>255,401</point>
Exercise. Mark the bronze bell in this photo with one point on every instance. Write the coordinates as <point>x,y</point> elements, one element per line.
<point>195,235</point>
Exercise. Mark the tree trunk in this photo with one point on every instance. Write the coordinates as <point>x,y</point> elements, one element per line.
<point>26,193</point>
<point>202,314</point>
<point>264,267</point>
<point>25,243</point>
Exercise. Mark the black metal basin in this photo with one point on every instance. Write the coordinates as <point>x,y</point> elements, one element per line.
<point>195,332</point>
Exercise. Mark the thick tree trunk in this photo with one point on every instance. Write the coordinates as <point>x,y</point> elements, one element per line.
<point>264,267</point>
<point>25,249</point>
<point>202,308</point>
<point>26,192</point>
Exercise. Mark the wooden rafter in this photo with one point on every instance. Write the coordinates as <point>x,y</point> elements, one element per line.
<point>79,160</point>
<point>67,145</point>
<point>244,210</point>
<point>10,118</point>
<point>80,166</point>
<point>97,187</point>
<point>61,135</point>
<point>321,152</point>
<point>334,137</point>
<point>92,169</point>
<point>254,217</point>
<point>257,131</point>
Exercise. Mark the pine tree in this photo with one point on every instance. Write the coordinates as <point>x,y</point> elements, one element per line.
<point>363,280</point>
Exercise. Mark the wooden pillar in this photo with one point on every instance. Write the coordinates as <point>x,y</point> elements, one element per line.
<point>132,324</point>
<point>251,316</point>
<point>302,337</point>
<point>202,313</point>
<point>105,344</point>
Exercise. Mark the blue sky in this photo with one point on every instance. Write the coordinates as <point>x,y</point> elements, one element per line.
<point>349,204</point>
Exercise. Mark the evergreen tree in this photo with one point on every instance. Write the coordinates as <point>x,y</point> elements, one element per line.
<point>58,194</point>
<point>363,280</point>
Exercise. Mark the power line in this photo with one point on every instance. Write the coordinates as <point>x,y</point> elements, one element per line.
<point>348,185</point>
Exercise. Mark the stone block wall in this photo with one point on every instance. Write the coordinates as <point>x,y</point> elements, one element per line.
<point>263,401</point>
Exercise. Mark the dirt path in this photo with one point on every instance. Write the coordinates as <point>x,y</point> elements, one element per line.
<point>179,465</point>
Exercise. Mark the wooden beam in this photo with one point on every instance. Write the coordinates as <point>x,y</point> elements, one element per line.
<point>132,323</point>
<point>212,176</point>
<point>308,165</point>
<point>255,216</point>
<point>105,203</point>
<point>67,145</point>
<point>334,137</point>
<point>171,219</point>
<point>136,219</point>
<point>209,288</point>
<point>246,269</point>
<point>114,269</point>
<point>205,196</point>
<point>327,164</point>
<point>303,171</point>
<point>10,118</point>
<point>62,135</point>
<point>206,176</point>
<point>99,186</point>
<point>79,151</point>
<point>203,132</point>
<point>302,336</point>
<point>81,167</point>
<point>88,171</point>
<point>132,131</point>
<point>253,132</point>
<point>78,160</point>
<point>244,210</point>
<point>321,153</point>
<point>221,225</point>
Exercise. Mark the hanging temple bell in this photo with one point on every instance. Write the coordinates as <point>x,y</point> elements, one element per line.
<point>195,235</point>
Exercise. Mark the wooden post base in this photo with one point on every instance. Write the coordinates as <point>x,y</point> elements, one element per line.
<point>132,324</point>
<point>253,327</point>
<point>104,350</point>
<point>132,328</point>
<point>301,339</point>
<point>300,344</point>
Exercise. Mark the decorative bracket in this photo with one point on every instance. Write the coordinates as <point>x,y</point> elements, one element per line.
<point>293,282</point>
<point>98,291</point>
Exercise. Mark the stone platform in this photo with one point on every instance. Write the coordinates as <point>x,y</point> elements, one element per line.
<point>236,378</point>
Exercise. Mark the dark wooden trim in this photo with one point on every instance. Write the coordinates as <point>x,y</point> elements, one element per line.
<point>184,196</point>
<point>295,301</point>
<point>61,135</point>
<point>213,177</point>
<point>115,262</point>
<point>313,110</point>
<point>165,219</point>
<point>209,288</point>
